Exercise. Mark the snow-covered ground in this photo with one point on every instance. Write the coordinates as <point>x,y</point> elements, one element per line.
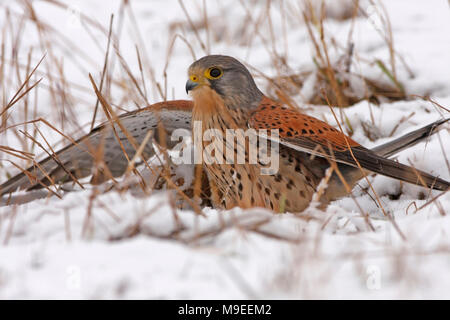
<point>120,246</point>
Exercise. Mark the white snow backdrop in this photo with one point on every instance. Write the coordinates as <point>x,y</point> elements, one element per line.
<point>46,251</point>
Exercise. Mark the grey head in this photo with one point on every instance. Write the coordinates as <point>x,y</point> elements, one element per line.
<point>228,77</point>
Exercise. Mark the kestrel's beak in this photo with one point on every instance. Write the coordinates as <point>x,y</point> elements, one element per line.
<point>190,85</point>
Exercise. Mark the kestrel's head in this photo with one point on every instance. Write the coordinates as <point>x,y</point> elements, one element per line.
<point>229,78</point>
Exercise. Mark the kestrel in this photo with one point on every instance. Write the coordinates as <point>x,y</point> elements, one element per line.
<point>225,96</point>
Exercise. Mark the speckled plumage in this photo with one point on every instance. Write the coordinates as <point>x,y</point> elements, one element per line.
<point>233,101</point>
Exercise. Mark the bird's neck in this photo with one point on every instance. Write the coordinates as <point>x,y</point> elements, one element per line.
<point>215,113</point>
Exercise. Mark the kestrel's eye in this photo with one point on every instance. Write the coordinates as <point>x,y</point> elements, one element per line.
<point>214,73</point>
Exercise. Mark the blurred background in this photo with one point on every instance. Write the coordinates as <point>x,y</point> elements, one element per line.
<point>383,65</point>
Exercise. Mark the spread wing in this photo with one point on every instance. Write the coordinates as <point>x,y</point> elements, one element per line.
<point>310,135</point>
<point>78,159</point>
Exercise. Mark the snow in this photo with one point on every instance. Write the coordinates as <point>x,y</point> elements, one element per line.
<point>117,245</point>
